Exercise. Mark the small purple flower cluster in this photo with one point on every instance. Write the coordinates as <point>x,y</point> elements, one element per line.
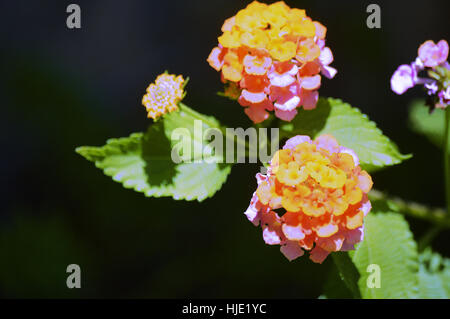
<point>432,58</point>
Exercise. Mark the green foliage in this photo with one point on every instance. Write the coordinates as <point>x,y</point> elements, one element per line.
<point>348,272</point>
<point>143,162</point>
<point>434,276</point>
<point>351,128</point>
<point>388,243</point>
<point>335,287</point>
<point>431,125</point>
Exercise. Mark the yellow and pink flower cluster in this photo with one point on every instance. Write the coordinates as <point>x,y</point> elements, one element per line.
<point>271,58</point>
<point>164,95</point>
<point>314,197</point>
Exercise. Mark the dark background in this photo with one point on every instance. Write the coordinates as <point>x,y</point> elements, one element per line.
<point>62,88</point>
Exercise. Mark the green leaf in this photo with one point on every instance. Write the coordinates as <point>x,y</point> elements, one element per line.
<point>143,162</point>
<point>348,272</point>
<point>434,276</point>
<point>351,128</point>
<point>389,244</point>
<point>430,125</point>
<point>335,287</point>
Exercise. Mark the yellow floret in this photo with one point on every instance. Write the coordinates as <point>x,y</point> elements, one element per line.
<point>231,39</point>
<point>282,51</point>
<point>257,39</point>
<point>164,95</point>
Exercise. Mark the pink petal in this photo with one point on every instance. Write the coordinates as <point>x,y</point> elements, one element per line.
<point>333,243</point>
<point>294,141</point>
<point>291,250</point>
<point>285,115</point>
<point>271,237</point>
<point>253,97</point>
<point>309,99</point>
<point>260,178</point>
<point>282,94</point>
<point>366,205</point>
<point>328,142</point>
<point>214,59</point>
<point>326,56</point>
<point>443,49</point>
<point>289,105</point>
<point>354,236</point>
<point>402,79</point>
<point>433,54</point>
<point>347,247</point>
<point>311,82</point>
<point>327,230</point>
<point>252,211</point>
<point>343,149</point>
<point>318,254</point>
<point>328,71</point>
<point>256,113</point>
<point>256,69</point>
<point>293,232</point>
<point>284,79</point>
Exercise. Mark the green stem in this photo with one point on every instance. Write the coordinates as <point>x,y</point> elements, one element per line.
<point>428,237</point>
<point>447,159</point>
<point>435,216</point>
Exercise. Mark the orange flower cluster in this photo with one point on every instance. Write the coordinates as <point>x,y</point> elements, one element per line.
<point>164,95</point>
<point>322,191</point>
<point>270,57</point>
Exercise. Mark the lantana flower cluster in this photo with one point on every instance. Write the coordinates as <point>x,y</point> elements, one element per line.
<point>322,191</point>
<point>270,58</point>
<point>432,58</point>
<point>164,95</point>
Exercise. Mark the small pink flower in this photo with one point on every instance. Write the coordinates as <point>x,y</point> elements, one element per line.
<point>311,82</point>
<point>257,112</point>
<point>432,88</point>
<point>253,97</point>
<point>430,57</point>
<point>309,99</point>
<point>446,94</point>
<point>285,115</point>
<point>291,250</point>
<point>403,79</point>
<point>325,58</point>
<point>444,98</point>
<point>215,58</point>
<point>433,54</point>
<point>286,98</point>
<point>285,77</point>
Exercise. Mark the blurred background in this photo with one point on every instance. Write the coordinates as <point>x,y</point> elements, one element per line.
<point>63,88</point>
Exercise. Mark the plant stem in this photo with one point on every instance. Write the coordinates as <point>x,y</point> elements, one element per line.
<point>447,159</point>
<point>436,216</point>
<point>428,237</point>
